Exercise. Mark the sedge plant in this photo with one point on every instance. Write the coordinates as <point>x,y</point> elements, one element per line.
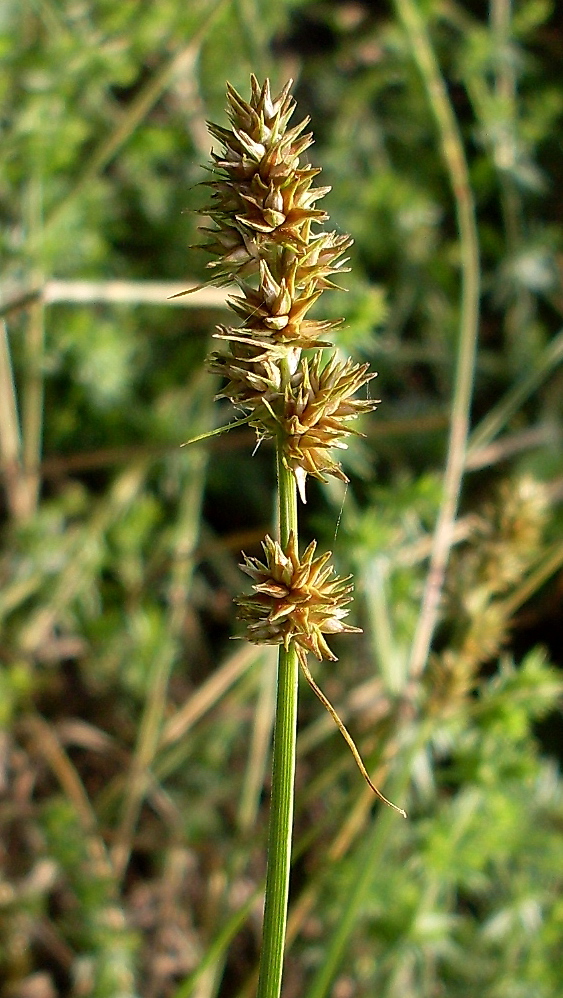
<point>263,212</point>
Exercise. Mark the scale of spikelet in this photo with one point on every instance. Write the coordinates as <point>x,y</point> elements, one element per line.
<point>294,600</point>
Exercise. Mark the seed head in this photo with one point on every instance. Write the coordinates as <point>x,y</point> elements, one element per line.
<point>263,206</point>
<point>294,600</point>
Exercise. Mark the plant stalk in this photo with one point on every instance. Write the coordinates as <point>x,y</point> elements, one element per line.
<point>283,776</point>
<point>412,19</point>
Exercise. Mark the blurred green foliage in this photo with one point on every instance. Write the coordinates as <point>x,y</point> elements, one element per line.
<point>134,736</point>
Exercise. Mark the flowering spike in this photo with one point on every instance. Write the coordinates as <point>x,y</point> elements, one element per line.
<point>262,238</point>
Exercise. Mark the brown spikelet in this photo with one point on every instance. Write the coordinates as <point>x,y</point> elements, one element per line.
<point>295,600</point>
<point>316,415</point>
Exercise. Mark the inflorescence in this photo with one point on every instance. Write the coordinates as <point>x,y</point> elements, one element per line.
<point>263,207</point>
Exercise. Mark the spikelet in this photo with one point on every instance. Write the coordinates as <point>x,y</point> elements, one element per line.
<point>316,415</point>
<point>295,600</point>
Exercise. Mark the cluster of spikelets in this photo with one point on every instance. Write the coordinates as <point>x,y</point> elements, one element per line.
<point>263,207</point>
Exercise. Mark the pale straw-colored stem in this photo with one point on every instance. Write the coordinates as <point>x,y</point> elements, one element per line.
<point>413,22</point>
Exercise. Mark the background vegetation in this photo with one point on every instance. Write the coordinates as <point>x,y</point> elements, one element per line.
<point>134,737</point>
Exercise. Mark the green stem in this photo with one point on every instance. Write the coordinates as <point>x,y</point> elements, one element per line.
<point>283,776</point>
<point>287,491</point>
